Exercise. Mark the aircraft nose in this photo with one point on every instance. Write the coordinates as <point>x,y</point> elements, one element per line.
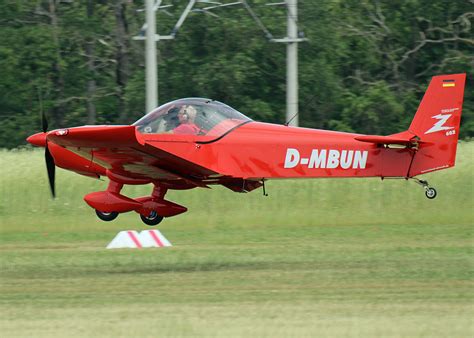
<point>38,139</point>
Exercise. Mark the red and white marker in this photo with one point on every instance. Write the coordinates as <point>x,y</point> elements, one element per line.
<point>133,239</point>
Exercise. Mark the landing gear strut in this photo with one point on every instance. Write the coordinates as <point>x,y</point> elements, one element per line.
<point>430,192</point>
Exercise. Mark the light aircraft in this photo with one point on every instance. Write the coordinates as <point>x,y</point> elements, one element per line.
<point>195,143</point>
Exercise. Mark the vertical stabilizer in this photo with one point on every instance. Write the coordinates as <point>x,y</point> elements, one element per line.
<point>436,124</point>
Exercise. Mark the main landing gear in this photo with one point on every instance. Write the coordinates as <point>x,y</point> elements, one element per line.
<point>106,216</point>
<point>152,219</point>
<point>152,209</point>
<point>430,192</point>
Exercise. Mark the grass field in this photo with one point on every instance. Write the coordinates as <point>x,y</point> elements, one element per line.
<point>348,257</point>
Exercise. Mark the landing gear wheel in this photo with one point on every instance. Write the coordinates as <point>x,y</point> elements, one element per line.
<point>430,193</point>
<point>106,216</point>
<point>152,219</point>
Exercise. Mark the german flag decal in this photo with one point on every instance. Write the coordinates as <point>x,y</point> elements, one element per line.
<point>449,83</point>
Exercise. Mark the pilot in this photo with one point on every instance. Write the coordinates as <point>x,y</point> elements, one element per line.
<point>186,116</point>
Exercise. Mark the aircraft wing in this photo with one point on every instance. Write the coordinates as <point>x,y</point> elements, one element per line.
<point>125,155</point>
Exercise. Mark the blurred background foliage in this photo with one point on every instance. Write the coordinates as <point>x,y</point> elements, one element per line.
<point>364,68</point>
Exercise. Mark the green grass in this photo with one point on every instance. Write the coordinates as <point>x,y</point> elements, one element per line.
<point>348,257</point>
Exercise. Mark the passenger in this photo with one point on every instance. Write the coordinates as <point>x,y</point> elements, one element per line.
<point>171,119</point>
<point>186,116</point>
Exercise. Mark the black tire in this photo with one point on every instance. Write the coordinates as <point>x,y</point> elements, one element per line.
<point>107,216</point>
<point>430,193</point>
<point>152,219</point>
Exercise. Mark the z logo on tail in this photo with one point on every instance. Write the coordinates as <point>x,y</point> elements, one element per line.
<point>439,126</point>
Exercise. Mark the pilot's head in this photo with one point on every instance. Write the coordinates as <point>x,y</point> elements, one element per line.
<point>187,114</point>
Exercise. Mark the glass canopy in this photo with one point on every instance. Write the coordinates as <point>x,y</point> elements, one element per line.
<point>191,116</point>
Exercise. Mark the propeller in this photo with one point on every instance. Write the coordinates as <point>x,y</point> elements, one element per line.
<point>44,121</point>
<point>50,166</point>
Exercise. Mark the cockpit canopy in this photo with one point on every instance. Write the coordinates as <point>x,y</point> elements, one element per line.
<point>193,116</point>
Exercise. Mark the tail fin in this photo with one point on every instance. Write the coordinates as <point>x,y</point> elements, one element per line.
<point>436,124</point>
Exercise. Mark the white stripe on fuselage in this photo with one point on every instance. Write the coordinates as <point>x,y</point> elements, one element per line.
<point>327,158</point>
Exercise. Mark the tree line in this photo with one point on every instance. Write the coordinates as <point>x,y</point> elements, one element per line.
<point>364,67</point>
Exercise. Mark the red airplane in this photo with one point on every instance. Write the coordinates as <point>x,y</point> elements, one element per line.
<point>196,142</point>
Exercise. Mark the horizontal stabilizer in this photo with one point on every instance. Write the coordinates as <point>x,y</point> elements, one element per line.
<point>404,138</point>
